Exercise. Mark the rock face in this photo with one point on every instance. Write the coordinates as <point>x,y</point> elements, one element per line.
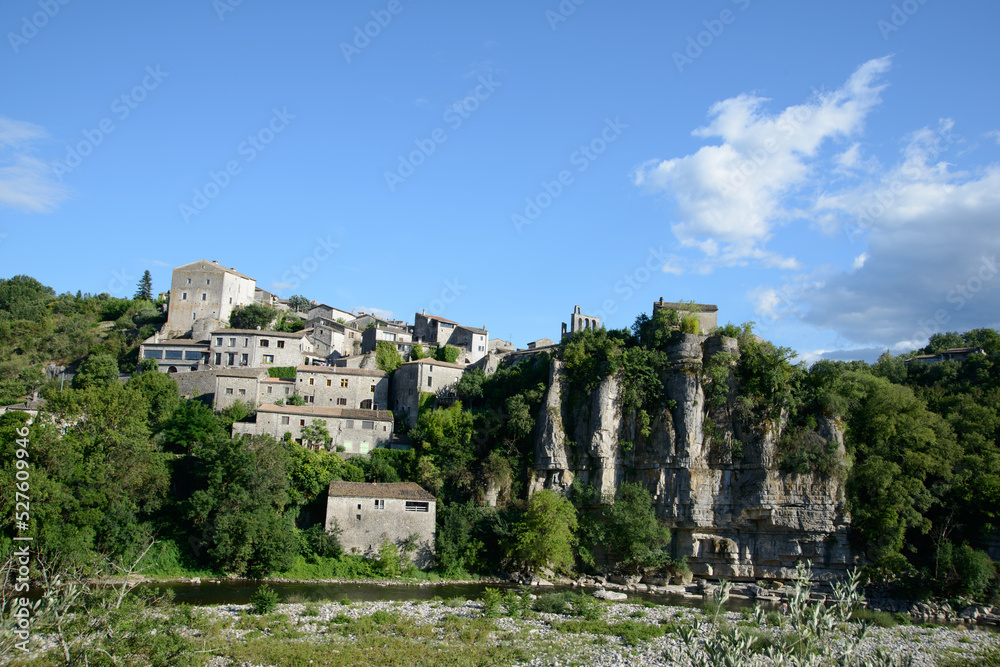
<point>714,478</point>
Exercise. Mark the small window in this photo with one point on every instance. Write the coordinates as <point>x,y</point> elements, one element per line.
<point>204,296</point>
<point>218,341</point>
<point>184,296</point>
<point>230,301</point>
<point>430,382</point>
<point>264,342</point>
<point>208,281</point>
<point>284,420</point>
<point>368,425</point>
<point>416,506</point>
<point>189,281</point>
<point>269,389</point>
<point>329,383</point>
<point>281,344</point>
<point>232,359</point>
<point>343,383</point>
<point>246,342</point>
<point>174,354</point>
<point>218,358</point>
<point>268,358</point>
<point>232,342</point>
<point>341,401</point>
<point>373,389</point>
<point>153,354</point>
<point>349,423</point>
<point>302,422</point>
<point>311,381</point>
<point>194,316</point>
<point>359,505</point>
<point>243,392</point>
<point>379,504</point>
<point>229,391</point>
<point>309,399</point>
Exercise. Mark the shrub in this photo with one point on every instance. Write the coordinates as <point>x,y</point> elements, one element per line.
<point>264,600</point>
<point>550,603</point>
<point>975,570</point>
<point>491,602</point>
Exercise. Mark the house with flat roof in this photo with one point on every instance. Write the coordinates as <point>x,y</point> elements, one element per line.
<point>707,314</point>
<point>368,515</point>
<point>175,355</point>
<point>356,431</point>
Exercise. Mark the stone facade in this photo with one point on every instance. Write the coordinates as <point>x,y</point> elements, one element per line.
<point>357,431</point>
<point>259,349</point>
<point>237,384</point>
<point>707,314</point>
<point>338,387</point>
<point>400,338</point>
<point>473,343</point>
<point>423,375</point>
<point>175,355</point>
<point>330,313</point>
<point>578,322</point>
<point>370,514</point>
<point>205,290</point>
<point>333,339</point>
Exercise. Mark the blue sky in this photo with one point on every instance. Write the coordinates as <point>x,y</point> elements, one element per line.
<point>827,170</point>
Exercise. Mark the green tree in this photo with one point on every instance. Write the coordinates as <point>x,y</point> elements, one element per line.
<point>144,288</point>
<point>316,434</point>
<point>23,298</point>
<point>633,531</point>
<point>387,357</point>
<point>445,434</point>
<point>546,535</point>
<point>99,370</point>
<point>417,352</point>
<point>161,394</point>
<point>299,303</point>
<point>252,316</point>
<point>447,353</point>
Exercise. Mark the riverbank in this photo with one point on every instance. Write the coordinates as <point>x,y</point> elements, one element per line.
<point>461,632</point>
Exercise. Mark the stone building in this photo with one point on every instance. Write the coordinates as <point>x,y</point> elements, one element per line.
<point>578,322</point>
<point>422,376</point>
<point>400,338</point>
<point>330,313</point>
<point>333,339</point>
<point>260,349</point>
<point>238,384</point>
<point>203,295</point>
<point>339,387</point>
<point>369,515</point>
<point>707,314</point>
<point>357,431</point>
<point>175,355</point>
<point>471,341</point>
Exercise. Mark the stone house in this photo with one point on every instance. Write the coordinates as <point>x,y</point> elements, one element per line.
<point>369,515</point>
<point>473,342</point>
<point>357,431</point>
<point>400,338</point>
<point>175,355</point>
<point>951,354</point>
<point>340,387</point>
<point>254,348</point>
<point>238,384</point>
<point>422,376</point>
<point>707,314</point>
<point>329,312</point>
<point>333,339</point>
<point>207,292</point>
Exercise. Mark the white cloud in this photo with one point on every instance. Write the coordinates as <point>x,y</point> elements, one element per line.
<point>730,197</point>
<point>26,182</point>
<point>859,261</point>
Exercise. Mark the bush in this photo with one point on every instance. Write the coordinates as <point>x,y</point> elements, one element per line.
<point>491,602</point>
<point>264,600</point>
<point>975,570</point>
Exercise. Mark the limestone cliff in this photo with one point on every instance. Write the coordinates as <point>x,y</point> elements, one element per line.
<point>714,477</point>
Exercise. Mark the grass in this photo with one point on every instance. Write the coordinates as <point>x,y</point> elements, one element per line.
<point>990,658</point>
<point>630,632</point>
<point>882,619</point>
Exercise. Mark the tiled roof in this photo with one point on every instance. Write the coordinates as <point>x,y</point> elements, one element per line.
<point>202,264</point>
<point>340,413</point>
<point>242,372</point>
<point>435,362</point>
<point>259,332</point>
<point>341,370</point>
<point>400,490</point>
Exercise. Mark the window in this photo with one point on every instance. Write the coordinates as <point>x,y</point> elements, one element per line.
<point>218,341</point>
<point>194,316</point>
<point>368,425</point>
<point>189,281</point>
<point>309,399</point>
<point>430,382</point>
<point>232,358</point>
<point>302,422</point>
<point>174,354</point>
<point>245,359</point>
<point>243,392</point>
<point>232,342</point>
<point>218,358</point>
<point>349,423</point>
<point>269,389</point>
<point>153,354</point>
<point>184,296</point>
<point>281,344</point>
<point>268,358</point>
<point>310,381</point>
<point>329,383</point>
<point>208,281</point>
<point>359,517</point>
<point>246,342</point>
<point>284,420</point>
<point>341,401</point>
<point>204,296</point>
<point>230,301</point>
<point>343,383</point>
<point>264,342</point>
<point>359,505</point>
<point>192,355</point>
<point>229,391</point>
<point>417,506</point>
<point>373,389</point>
<point>379,504</point>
